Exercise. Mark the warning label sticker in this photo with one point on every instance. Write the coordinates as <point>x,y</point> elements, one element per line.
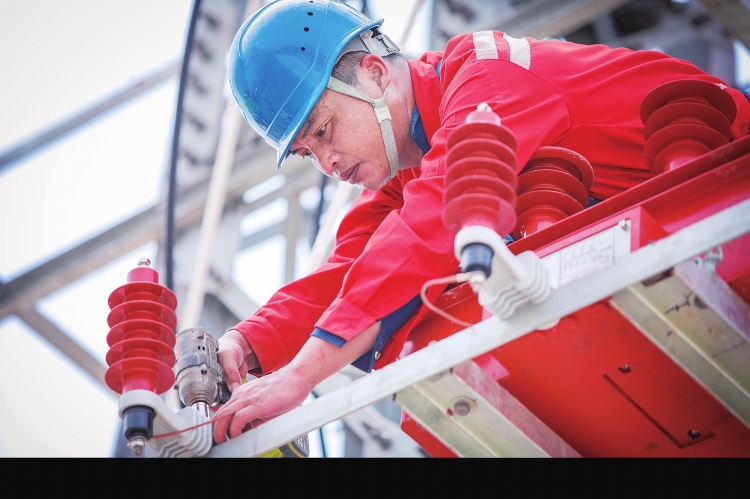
<point>593,253</point>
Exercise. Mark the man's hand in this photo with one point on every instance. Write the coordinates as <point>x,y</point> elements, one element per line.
<point>236,358</point>
<point>282,391</point>
<point>259,401</point>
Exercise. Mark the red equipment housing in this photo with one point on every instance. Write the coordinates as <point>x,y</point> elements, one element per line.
<point>142,335</point>
<point>596,379</point>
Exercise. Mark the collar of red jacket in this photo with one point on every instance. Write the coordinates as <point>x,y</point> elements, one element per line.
<point>427,91</point>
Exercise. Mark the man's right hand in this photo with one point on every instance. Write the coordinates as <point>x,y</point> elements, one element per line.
<point>236,358</point>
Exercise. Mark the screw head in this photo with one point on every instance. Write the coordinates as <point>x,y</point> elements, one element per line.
<point>694,433</point>
<point>623,224</point>
<point>462,406</point>
<point>144,262</point>
<point>625,368</point>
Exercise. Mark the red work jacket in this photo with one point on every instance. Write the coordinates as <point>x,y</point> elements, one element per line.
<point>549,93</point>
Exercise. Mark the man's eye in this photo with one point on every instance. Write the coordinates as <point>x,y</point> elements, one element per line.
<point>321,132</point>
<point>306,154</point>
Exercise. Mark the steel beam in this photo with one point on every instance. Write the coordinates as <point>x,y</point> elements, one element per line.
<point>380,436</point>
<point>30,145</point>
<point>552,18</point>
<point>640,265</point>
<point>734,15</point>
<point>63,342</point>
<point>125,237</point>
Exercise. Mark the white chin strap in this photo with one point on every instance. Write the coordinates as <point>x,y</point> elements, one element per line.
<point>381,113</point>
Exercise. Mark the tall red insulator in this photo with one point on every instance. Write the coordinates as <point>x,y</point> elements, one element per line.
<point>683,120</point>
<point>480,179</point>
<point>553,185</point>
<point>142,335</point>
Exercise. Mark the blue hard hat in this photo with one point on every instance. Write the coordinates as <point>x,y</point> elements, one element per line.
<point>281,60</point>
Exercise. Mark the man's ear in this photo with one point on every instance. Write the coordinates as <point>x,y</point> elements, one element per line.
<point>375,69</point>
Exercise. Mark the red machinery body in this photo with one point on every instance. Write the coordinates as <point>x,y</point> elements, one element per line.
<point>595,379</point>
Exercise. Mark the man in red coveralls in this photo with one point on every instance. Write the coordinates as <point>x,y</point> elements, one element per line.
<point>308,76</point>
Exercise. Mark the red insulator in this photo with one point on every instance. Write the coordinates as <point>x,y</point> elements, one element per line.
<point>553,185</point>
<point>142,335</point>
<point>683,120</point>
<point>480,179</point>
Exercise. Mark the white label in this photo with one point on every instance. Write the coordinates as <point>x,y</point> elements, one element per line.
<point>593,253</point>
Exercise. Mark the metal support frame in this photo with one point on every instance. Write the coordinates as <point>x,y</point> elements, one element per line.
<point>552,18</point>
<point>640,265</point>
<point>476,417</point>
<point>734,15</point>
<point>702,324</point>
<point>380,436</point>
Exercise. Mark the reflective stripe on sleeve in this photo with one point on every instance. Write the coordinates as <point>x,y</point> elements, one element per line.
<point>484,44</point>
<point>520,52</point>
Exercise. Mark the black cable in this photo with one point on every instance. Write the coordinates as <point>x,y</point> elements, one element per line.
<point>172,186</point>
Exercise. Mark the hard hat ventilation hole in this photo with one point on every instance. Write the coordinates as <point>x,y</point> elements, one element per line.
<point>309,13</point>
<point>303,48</point>
<point>307,29</point>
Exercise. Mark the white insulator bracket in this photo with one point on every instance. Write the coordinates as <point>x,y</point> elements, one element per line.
<point>514,280</point>
<point>196,442</point>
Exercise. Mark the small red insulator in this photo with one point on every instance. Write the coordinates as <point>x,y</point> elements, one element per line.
<point>683,120</point>
<point>141,337</point>
<point>553,185</point>
<point>480,178</point>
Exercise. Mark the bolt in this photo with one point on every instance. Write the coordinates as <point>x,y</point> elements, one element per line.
<point>204,369</point>
<point>144,262</point>
<point>484,107</point>
<point>137,443</point>
<point>623,224</point>
<point>694,433</point>
<point>625,368</point>
<point>176,387</point>
<point>463,406</point>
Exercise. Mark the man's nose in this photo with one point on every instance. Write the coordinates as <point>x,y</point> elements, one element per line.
<point>328,163</point>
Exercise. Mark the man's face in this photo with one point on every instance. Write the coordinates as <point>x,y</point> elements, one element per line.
<point>343,140</point>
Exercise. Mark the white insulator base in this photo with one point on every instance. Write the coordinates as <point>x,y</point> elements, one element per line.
<point>192,443</point>
<point>514,280</point>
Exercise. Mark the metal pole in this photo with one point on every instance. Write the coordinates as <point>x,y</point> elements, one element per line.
<point>230,132</point>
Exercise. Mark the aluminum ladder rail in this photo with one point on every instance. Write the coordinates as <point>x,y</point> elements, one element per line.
<point>621,277</point>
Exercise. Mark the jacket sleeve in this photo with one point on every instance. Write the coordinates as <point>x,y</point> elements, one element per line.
<point>412,245</point>
<point>277,331</point>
